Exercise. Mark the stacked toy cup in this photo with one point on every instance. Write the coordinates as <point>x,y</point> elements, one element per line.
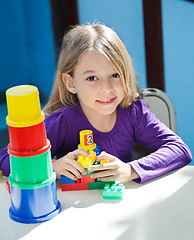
<point>32,179</point>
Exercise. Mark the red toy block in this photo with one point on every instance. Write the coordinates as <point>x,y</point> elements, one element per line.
<point>7,186</point>
<point>87,179</point>
<point>74,186</point>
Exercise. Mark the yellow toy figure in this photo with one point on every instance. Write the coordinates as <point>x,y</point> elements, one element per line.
<point>87,143</point>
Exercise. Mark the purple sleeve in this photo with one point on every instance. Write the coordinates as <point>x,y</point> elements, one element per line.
<point>170,152</point>
<point>56,127</point>
<point>4,162</point>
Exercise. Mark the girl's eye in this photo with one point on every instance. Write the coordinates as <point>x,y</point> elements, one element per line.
<point>115,75</point>
<point>92,78</point>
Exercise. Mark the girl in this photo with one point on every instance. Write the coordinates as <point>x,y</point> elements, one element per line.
<point>96,89</point>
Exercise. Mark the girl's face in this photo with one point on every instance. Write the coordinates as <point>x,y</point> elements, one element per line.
<point>97,84</point>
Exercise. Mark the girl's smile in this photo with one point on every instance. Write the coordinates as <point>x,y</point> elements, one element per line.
<point>107,101</point>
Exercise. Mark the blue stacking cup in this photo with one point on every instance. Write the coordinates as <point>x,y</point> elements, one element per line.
<point>34,205</point>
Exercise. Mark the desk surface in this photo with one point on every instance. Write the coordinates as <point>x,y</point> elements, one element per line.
<point>159,209</point>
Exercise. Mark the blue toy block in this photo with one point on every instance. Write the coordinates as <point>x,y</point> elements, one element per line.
<point>66,180</point>
<point>113,192</point>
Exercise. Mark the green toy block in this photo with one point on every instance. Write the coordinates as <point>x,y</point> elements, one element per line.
<point>98,184</point>
<point>90,172</point>
<point>113,192</point>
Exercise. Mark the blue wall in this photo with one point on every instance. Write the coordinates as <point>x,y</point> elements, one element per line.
<point>178,40</point>
<point>26,44</point>
<point>126,18</point>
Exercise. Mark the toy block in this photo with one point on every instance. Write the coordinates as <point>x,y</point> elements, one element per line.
<point>1,175</point>
<point>74,186</point>
<point>96,163</point>
<point>66,180</point>
<point>7,186</point>
<point>87,179</point>
<point>90,172</point>
<point>87,161</point>
<point>98,185</point>
<point>104,161</point>
<point>84,161</point>
<point>113,192</point>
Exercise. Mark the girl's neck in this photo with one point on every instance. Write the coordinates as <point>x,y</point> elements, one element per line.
<point>102,123</point>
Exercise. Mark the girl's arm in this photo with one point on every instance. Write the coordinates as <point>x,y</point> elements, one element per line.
<point>4,162</point>
<point>169,151</point>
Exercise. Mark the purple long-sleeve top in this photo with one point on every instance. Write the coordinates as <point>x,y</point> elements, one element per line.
<point>135,123</point>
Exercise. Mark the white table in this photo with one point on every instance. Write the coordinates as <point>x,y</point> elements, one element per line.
<point>159,209</point>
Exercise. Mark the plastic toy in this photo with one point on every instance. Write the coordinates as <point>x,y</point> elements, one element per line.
<point>7,186</point>
<point>104,161</point>
<point>86,140</point>
<point>86,182</point>
<point>32,180</point>
<point>1,175</point>
<point>87,161</point>
<point>66,180</point>
<point>113,192</point>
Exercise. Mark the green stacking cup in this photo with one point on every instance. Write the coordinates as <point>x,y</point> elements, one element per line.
<point>31,170</point>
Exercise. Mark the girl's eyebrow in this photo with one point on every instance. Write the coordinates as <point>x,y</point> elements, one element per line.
<point>93,71</point>
<point>88,72</point>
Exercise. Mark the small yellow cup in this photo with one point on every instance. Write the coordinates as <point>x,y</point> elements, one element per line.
<point>86,140</point>
<point>23,105</point>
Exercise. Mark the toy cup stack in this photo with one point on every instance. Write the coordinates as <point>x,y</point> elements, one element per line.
<point>32,179</point>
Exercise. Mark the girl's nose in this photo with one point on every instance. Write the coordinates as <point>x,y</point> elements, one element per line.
<point>106,86</point>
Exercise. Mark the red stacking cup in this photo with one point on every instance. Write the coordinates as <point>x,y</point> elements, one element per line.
<point>30,140</point>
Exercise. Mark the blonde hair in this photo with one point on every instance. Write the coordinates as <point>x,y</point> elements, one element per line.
<point>87,38</point>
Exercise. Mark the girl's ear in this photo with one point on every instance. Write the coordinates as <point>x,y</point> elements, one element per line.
<point>68,81</point>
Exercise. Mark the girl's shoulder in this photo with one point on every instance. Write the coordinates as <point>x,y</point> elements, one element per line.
<point>135,108</point>
<point>63,115</point>
<point>136,112</point>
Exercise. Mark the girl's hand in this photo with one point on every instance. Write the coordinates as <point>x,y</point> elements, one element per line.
<point>68,165</point>
<point>115,170</point>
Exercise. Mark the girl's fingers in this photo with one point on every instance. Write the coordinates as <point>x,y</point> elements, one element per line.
<point>101,167</point>
<point>80,151</point>
<point>73,170</point>
<point>101,174</point>
<point>78,166</point>
<point>106,156</point>
<point>72,159</point>
<point>68,174</point>
<point>108,179</point>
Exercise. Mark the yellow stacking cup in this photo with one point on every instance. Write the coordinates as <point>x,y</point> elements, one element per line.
<point>86,140</point>
<point>23,106</point>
